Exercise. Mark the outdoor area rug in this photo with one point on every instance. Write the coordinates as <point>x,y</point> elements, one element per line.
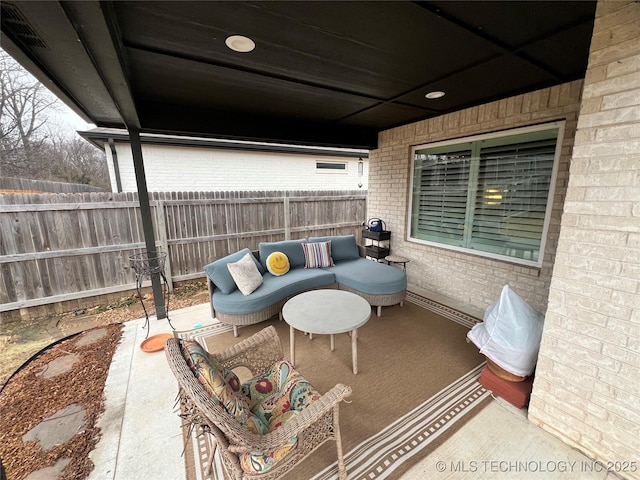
<point>416,385</point>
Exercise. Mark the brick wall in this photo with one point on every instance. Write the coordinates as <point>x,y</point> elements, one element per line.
<point>172,168</point>
<point>587,386</point>
<point>467,279</point>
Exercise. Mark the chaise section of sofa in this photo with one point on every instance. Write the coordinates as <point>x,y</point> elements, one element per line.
<point>379,284</point>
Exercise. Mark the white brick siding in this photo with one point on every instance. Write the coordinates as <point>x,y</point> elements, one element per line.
<point>183,168</point>
<point>587,386</point>
<point>473,280</point>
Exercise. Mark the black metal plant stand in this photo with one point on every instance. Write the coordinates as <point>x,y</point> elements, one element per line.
<point>145,265</point>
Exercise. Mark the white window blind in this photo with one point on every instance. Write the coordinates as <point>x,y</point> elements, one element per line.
<point>489,195</point>
<point>442,194</point>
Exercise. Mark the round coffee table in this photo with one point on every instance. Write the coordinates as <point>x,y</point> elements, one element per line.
<point>327,312</point>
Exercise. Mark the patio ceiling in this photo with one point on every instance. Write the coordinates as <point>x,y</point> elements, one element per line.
<point>322,73</point>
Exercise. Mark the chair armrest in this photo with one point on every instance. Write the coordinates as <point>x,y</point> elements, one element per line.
<point>240,438</point>
<point>257,353</point>
<point>296,425</point>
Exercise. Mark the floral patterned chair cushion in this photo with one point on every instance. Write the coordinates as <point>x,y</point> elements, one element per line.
<point>262,403</point>
<point>256,463</point>
<point>274,381</point>
<point>274,397</point>
<point>222,384</point>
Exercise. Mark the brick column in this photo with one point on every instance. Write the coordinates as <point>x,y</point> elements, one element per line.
<point>587,386</point>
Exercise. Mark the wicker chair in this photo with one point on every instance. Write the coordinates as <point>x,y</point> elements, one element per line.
<point>313,425</point>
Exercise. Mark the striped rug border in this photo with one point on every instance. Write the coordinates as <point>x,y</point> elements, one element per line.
<point>201,448</point>
<point>445,311</point>
<point>200,334</point>
<point>381,454</point>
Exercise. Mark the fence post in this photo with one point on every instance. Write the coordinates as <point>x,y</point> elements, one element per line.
<point>164,244</point>
<point>287,217</point>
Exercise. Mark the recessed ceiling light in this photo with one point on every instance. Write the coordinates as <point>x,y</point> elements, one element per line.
<point>240,43</point>
<point>434,95</point>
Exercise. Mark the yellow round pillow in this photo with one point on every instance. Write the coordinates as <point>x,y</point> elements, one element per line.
<point>277,263</point>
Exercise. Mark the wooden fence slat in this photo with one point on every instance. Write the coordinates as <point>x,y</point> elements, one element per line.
<point>162,240</point>
<point>59,247</point>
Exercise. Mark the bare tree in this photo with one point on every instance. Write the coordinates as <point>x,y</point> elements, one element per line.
<point>32,145</point>
<point>75,160</point>
<point>25,104</point>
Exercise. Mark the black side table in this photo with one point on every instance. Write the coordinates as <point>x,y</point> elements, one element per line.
<point>392,259</point>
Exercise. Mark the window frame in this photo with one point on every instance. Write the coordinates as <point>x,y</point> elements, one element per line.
<point>559,125</point>
<point>342,167</point>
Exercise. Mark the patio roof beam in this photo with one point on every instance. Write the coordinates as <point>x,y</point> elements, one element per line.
<point>147,224</point>
<point>94,23</point>
<point>114,161</point>
<point>501,46</point>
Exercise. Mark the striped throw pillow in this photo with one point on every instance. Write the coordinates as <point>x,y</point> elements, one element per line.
<point>317,255</point>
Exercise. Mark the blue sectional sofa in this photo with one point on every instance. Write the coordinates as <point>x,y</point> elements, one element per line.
<point>379,284</point>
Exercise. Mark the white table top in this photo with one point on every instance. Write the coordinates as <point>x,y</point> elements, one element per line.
<point>326,311</point>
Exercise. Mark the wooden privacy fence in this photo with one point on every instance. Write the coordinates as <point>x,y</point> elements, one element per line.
<point>18,185</point>
<point>60,247</point>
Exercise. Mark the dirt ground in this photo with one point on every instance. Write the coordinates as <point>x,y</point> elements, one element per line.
<point>27,398</point>
<point>20,340</point>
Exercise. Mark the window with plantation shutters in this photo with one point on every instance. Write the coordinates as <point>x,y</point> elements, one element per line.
<point>440,189</point>
<point>491,194</point>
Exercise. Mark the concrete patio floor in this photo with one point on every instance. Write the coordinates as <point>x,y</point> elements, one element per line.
<point>142,438</point>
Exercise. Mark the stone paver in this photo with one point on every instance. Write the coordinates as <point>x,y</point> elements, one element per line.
<point>49,473</point>
<point>91,336</point>
<point>58,428</point>
<point>59,365</point>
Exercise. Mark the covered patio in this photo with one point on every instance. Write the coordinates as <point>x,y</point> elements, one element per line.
<point>372,75</point>
<point>142,439</point>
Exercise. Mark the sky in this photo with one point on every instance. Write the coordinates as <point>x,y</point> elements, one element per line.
<point>68,119</point>
<point>64,116</point>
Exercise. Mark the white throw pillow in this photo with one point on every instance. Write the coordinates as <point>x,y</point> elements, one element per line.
<point>246,275</point>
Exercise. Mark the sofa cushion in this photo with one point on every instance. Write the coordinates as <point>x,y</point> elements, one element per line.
<point>273,290</point>
<point>317,255</point>
<point>291,248</point>
<point>219,273</point>
<point>246,274</point>
<point>222,384</point>
<point>278,264</point>
<point>370,277</point>
<point>343,247</point>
